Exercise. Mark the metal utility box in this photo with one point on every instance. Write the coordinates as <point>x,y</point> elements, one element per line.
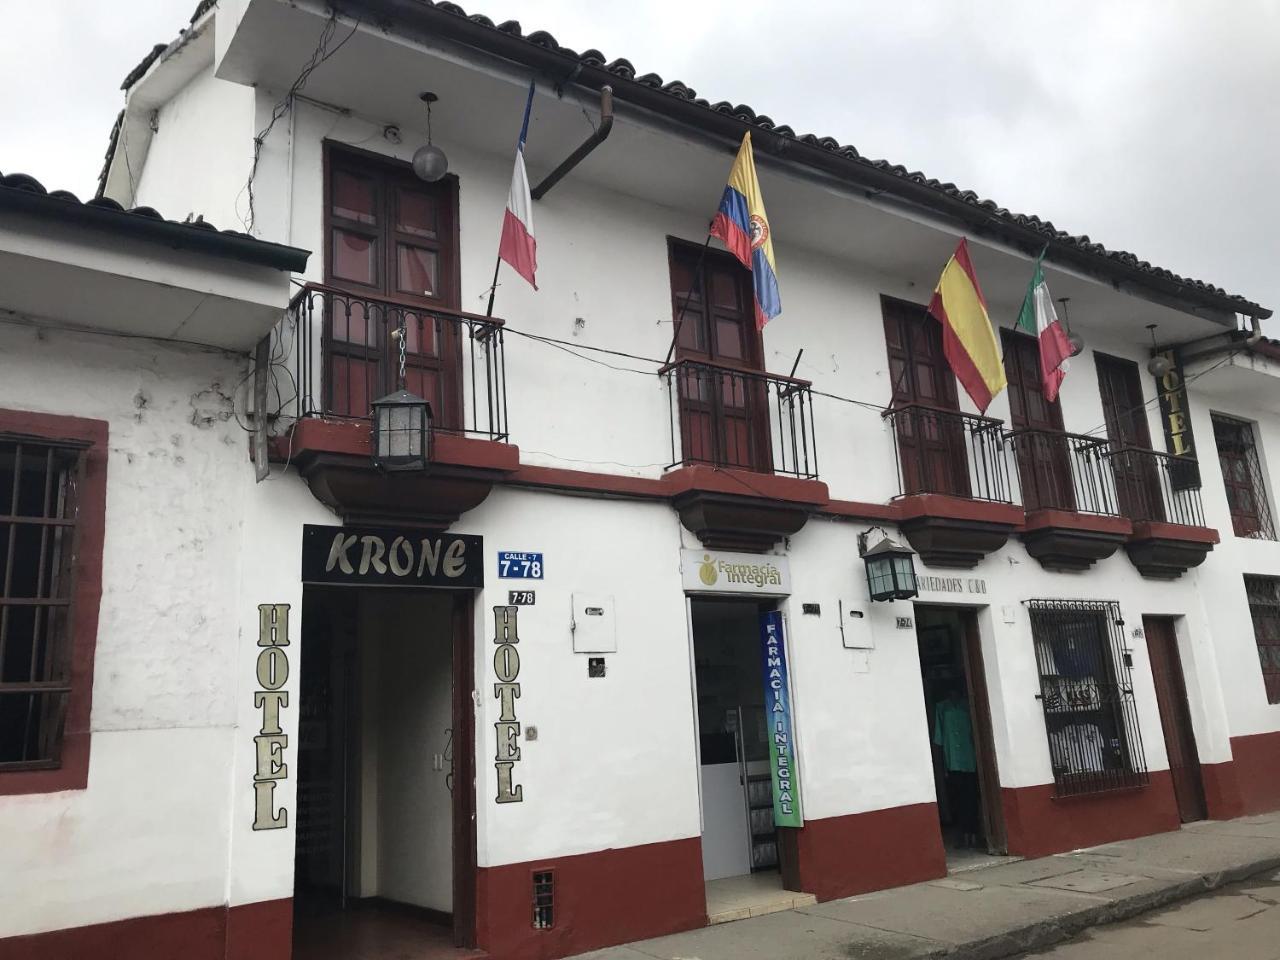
<point>593,624</point>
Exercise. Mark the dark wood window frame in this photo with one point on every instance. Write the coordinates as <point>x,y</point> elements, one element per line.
<point>70,769</point>
<point>723,400</point>
<point>444,360</point>
<point>1264,609</point>
<point>1237,446</point>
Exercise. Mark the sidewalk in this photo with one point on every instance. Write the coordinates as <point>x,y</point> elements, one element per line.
<point>992,912</point>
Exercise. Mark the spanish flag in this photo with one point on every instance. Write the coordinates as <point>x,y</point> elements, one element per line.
<point>968,340</point>
<point>743,226</point>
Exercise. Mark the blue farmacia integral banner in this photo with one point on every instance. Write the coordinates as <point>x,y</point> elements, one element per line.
<point>777,711</point>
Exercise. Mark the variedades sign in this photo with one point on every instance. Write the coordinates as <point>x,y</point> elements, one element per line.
<point>777,714</point>
<point>376,556</point>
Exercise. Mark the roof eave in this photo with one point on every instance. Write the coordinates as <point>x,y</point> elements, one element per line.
<point>443,22</point>
<point>178,236</point>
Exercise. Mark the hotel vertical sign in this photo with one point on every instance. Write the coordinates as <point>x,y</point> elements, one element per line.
<point>506,666</point>
<point>269,744</point>
<point>777,711</point>
<point>1175,416</point>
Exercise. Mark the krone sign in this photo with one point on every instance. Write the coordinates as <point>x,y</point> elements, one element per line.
<point>715,571</point>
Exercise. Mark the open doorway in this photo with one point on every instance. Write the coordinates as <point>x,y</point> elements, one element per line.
<point>959,724</point>
<point>384,856</point>
<point>743,852</point>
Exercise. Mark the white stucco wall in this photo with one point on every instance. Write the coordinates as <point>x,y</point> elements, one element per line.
<point>199,157</point>
<point>164,682</point>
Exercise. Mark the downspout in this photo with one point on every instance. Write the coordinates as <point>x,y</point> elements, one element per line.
<point>598,137</point>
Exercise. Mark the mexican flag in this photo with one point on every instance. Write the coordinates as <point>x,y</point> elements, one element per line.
<point>1037,317</point>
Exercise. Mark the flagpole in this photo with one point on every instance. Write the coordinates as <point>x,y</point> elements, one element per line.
<point>493,287</point>
<point>695,280</point>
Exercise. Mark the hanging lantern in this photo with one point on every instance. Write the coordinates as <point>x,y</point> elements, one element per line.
<point>891,569</point>
<point>401,422</point>
<point>401,432</point>
<point>429,161</point>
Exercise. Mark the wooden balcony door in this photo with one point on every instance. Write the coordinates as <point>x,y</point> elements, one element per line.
<point>1044,460</point>
<point>392,244</point>
<point>724,407</point>
<point>931,446</point>
<point>1137,483</point>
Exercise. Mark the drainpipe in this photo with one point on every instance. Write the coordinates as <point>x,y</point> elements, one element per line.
<point>593,141</point>
<point>1255,325</point>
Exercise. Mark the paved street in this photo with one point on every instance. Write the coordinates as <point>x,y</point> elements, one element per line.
<point>1240,921</point>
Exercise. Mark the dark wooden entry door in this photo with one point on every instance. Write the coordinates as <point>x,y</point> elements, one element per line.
<point>930,439</point>
<point>724,412</point>
<point>392,245</point>
<point>1044,462</point>
<point>1175,717</point>
<point>1137,485</point>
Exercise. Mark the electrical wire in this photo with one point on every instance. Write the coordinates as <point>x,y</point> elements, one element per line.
<point>321,53</point>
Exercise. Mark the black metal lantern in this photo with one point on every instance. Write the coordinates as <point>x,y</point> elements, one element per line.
<point>401,432</point>
<point>401,423</point>
<point>891,569</point>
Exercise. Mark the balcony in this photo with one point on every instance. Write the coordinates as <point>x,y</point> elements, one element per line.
<point>953,474</point>
<point>743,453</point>
<point>1068,491</point>
<point>345,357</point>
<point>1160,494</point>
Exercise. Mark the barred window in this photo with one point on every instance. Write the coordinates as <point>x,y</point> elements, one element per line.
<point>1242,475</point>
<point>39,483</point>
<point>1087,695</point>
<point>1264,605</point>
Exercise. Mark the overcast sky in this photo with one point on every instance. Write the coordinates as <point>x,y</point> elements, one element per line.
<point>1150,125</point>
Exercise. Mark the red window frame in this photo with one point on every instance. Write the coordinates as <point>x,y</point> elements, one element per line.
<point>72,771</point>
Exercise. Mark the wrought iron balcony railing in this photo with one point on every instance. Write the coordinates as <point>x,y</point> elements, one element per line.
<point>1156,487</point>
<point>729,417</point>
<point>346,357</point>
<point>1063,471</point>
<point>948,452</point>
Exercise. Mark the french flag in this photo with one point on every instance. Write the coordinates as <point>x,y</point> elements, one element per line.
<point>518,246</point>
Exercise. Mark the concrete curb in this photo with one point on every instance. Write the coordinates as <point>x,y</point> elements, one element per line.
<point>1048,933</point>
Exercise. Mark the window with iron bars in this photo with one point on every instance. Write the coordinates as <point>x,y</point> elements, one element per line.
<point>544,900</point>
<point>39,480</point>
<point>1242,476</point>
<point>1264,606</point>
<point>1086,691</point>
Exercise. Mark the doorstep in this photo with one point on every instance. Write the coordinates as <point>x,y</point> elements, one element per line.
<point>753,895</point>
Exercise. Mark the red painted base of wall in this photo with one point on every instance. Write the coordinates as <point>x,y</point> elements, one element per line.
<point>1039,824</point>
<point>1256,766</point>
<point>255,931</point>
<point>841,856</point>
<point>601,899</point>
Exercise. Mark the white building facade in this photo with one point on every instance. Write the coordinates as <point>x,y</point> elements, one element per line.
<point>615,642</point>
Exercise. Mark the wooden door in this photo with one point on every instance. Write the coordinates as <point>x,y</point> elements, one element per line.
<point>983,737</point>
<point>1044,460</point>
<point>391,243</point>
<point>931,441</point>
<point>463,771</point>
<point>1137,483</point>
<point>1175,717</point>
<point>724,411</point>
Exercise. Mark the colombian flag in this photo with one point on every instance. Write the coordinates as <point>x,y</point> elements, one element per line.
<point>743,226</point>
<point>968,340</point>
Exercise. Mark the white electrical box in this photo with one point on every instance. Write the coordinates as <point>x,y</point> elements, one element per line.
<point>855,627</point>
<point>593,624</point>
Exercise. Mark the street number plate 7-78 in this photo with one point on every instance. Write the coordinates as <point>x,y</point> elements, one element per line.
<point>519,566</point>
